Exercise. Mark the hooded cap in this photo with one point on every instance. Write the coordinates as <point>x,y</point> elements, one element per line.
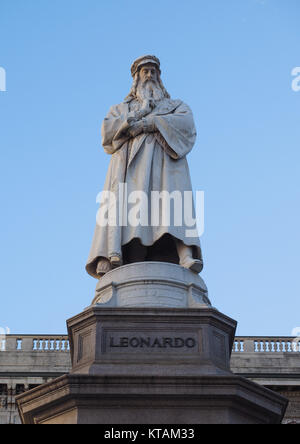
<point>143,61</point>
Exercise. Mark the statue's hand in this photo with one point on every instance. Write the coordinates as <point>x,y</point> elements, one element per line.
<point>149,124</point>
<point>136,128</point>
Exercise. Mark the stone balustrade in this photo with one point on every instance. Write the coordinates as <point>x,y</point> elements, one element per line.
<point>45,343</point>
<point>56,343</point>
<point>251,344</point>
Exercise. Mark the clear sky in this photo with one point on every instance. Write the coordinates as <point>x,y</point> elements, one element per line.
<point>67,62</point>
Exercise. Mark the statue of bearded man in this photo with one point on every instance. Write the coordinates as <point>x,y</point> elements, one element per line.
<point>148,137</point>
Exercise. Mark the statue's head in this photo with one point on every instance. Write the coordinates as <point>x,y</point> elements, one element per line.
<point>147,83</point>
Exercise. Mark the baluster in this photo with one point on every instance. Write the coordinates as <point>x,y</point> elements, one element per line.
<point>237,346</point>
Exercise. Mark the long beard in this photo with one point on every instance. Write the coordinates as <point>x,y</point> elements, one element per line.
<point>149,92</point>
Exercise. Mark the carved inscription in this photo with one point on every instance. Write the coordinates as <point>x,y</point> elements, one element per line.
<point>155,342</point>
<point>146,342</point>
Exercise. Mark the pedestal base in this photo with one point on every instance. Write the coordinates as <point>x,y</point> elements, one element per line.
<point>85,399</point>
<point>163,361</point>
<point>151,366</point>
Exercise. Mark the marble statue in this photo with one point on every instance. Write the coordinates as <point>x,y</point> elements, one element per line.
<point>148,136</point>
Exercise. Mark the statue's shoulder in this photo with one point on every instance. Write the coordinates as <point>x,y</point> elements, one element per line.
<point>182,103</point>
<point>183,107</point>
<point>119,109</point>
<point>172,103</point>
<point>175,102</point>
<point>169,106</point>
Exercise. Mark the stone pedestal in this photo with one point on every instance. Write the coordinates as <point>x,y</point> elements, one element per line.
<point>150,341</point>
<point>151,284</point>
<point>162,358</point>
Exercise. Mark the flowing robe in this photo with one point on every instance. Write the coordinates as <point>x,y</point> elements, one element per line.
<point>149,162</point>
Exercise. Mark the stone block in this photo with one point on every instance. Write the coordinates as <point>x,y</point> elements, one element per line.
<point>150,341</point>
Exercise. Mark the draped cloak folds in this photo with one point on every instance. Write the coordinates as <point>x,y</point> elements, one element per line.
<point>149,162</point>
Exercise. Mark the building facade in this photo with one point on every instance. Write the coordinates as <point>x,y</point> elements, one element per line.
<point>27,361</point>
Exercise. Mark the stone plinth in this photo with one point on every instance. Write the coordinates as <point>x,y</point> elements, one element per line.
<point>151,360</point>
<point>152,284</point>
<point>150,341</point>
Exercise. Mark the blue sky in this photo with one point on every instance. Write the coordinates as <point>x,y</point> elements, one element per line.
<point>67,62</point>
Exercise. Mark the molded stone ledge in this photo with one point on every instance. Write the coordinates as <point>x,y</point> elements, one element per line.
<point>85,399</point>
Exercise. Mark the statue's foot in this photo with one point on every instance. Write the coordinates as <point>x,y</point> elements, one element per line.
<point>194,265</point>
<point>104,266</point>
<point>186,259</point>
<point>116,261</point>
